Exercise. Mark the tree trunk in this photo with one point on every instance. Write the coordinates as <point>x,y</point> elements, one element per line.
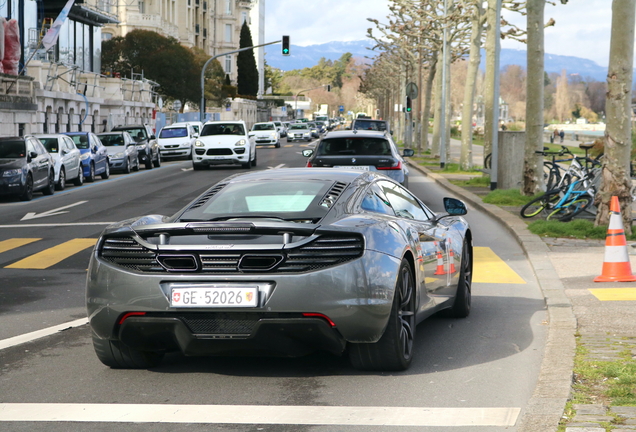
<point>448,106</point>
<point>435,143</point>
<point>532,162</point>
<point>489,79</point>
<point>466,156</point>
<point>426,112</point>
<point>615,172</point>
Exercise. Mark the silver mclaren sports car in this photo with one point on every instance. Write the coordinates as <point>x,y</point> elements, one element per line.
<point>281,262</point>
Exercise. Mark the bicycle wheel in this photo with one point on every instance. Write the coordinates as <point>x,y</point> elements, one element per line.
<point>570,209</point>
<point>542,203</point>
<point>551,175</point>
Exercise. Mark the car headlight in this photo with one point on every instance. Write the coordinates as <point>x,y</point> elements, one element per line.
<point>307,133</point>
<point>12,173</point>
<point>240,143</point>
<point>85,156</point>
<point>273,134</point>
<point>198,143</point>
<point>118,155</point>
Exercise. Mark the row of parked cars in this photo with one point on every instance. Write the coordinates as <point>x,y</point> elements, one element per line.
<point>48,162</point>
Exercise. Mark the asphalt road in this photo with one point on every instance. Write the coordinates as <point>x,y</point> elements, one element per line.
<point>482,369</point>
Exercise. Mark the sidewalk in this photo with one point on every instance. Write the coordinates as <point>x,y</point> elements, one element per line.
<point>605,329</point>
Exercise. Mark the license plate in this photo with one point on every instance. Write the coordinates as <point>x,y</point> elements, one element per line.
<point>170,152</point>
<point>210,297</point>
<point>353,167</point>
<point>219,157</point>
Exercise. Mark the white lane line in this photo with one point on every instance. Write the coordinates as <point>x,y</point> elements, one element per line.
<point>276,167</point>
<point>57,224</point>
<point>28,337</point>
<point>259,414</point>
<point>187,169</point>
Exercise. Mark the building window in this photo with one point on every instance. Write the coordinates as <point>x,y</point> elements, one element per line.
<point>228,7</point>
<point>244,18</point>
<point>228,64</point>
<point>107,36</point>
<point>142,7</point>
<point>228,32</point>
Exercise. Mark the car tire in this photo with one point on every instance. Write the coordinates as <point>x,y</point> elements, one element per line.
<point>394,350</point>
<point>461,305</point>
<point>79,180</point>
<point>106,172</point>
<point>197,167</point>
<point>136,167</point>
<point>119,356</point>
<point>91,174</point>
<point>127,167</point>
<point>148,163</point>
<point>157,161</point>
<point>61,182</point>
<point>27,195</point>
<point>50,188</point>
<point>277,145</point>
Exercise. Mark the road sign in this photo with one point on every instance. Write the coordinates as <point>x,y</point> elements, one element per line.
<point>341,108</point>
<point>176,105</point>
<point>411,90</point>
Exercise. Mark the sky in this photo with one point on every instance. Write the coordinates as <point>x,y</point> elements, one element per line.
<point>582,26</point>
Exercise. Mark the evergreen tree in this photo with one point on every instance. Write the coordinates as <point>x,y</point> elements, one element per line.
<point>247,79</point>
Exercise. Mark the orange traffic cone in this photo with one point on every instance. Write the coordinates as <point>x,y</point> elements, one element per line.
<point>452,258</point>
<point>440,264</point>
<point>616,265</point>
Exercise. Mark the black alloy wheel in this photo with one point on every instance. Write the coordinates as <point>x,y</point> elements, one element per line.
<point>27,195</point>
<point>61,182</point>
<point>50,187</point>
<point>394,350</point>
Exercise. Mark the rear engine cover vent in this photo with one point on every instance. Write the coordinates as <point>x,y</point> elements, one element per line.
<point>332,195</point>
<point>207,196</point>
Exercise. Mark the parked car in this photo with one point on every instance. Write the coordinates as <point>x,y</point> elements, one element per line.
<point>94,155</point>
<point>299,131</point>
<point>265,134</point>
<point>122,151</point>
<point>177,140</point>
<point>147,146</point>
<point>222,143</point>
<point>25,167</point>
<point>361,150</point>
<point>67,158</point>
<point>283,262</point>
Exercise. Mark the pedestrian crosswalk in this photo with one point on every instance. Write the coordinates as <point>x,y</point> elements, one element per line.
<point>488,266</point>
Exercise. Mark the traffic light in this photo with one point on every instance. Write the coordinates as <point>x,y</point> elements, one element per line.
<point>285,46</point>
<point>408,104</point>
<point>328,87</point>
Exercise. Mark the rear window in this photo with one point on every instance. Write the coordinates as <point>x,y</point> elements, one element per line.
<point>12,149</point>
<point>298,126</point>
<point>223,129</point>
<point>354,146</point>
<point>280,199</point>
<point>173,133</point>
<point>81,141</point>
<point>369,125</point>
<point>265,126</point>
<point>137,134</point>
<point>112,140</point>
<point>50,144</point>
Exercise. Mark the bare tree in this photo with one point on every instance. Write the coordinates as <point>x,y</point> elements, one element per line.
<point>615,172</point>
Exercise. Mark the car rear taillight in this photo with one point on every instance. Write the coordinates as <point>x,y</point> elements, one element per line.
<point>395,167</point>
<point>129,314</point>
<point>319,315</point>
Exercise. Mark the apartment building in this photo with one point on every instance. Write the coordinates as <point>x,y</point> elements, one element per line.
<point>212,25</point>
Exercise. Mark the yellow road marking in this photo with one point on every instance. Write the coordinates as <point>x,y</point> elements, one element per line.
<point>614,294</point>
<point>429,280</point>
<point>54,255</point>
<point>489,268</point>
<point>288,145</point>
<point>7,245</point>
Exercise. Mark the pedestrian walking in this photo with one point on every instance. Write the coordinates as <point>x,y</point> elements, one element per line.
<point>562,135</point>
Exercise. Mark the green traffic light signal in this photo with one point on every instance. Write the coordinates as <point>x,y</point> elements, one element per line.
<point>285,46</point>
<point>408,104</point>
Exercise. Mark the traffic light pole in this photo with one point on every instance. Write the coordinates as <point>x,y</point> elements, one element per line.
<point>205,66</point>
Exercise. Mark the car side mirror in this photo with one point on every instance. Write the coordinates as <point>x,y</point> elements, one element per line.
<point>308,152</point>
<point>408,152</point>
<point>153,137</point>
<point>32,155</point>
<point>454,207</point>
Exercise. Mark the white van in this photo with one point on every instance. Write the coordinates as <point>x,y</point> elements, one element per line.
<point>177,140</point>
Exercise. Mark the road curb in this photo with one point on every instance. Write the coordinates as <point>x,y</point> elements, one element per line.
<point>546,406</point>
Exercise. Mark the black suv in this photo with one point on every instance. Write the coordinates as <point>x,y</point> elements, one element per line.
<point>25,167</point>
<point>146,142</point>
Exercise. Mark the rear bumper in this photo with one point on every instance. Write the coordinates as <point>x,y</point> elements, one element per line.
<point>231,334</point>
